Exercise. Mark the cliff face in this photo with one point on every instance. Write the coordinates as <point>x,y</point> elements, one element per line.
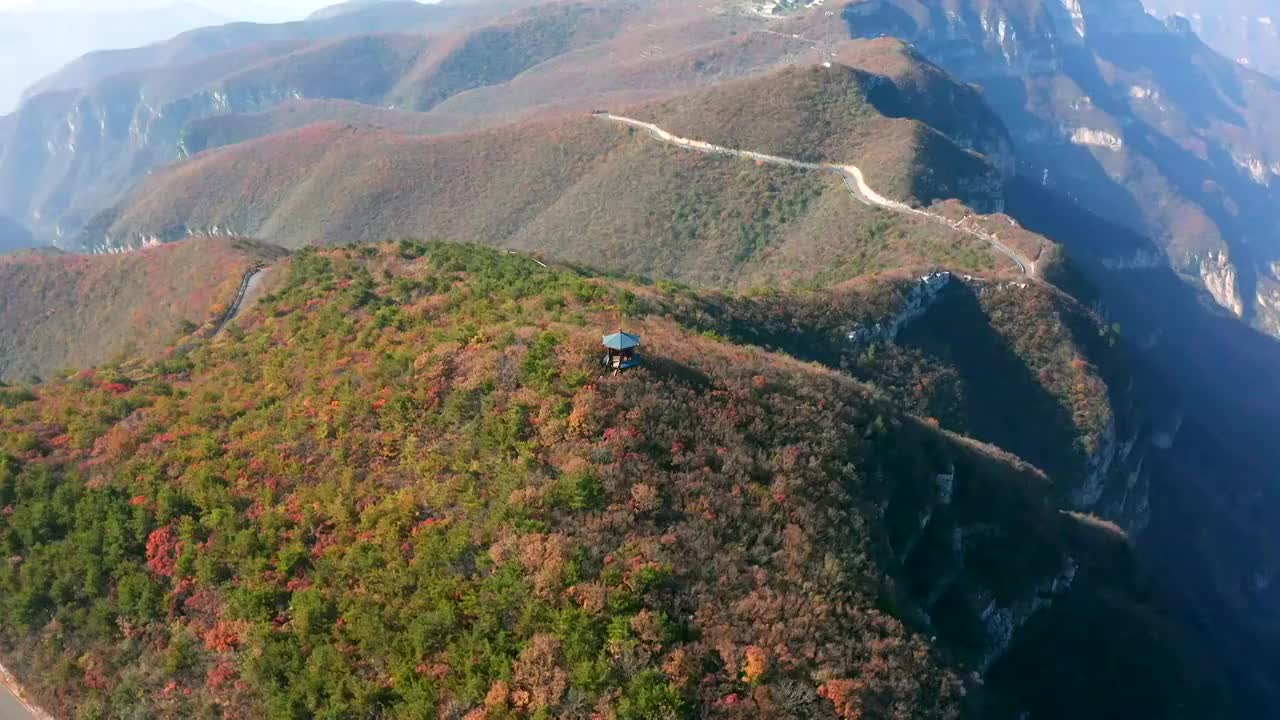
<point>1268,303</point>
<point>962,352</point>
<point>68,155</point>
<point>1220,279</point>
<point>1247,31</point>
<point>86,135</point>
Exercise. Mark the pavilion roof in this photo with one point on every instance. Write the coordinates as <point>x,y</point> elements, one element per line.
<point>621,341</point>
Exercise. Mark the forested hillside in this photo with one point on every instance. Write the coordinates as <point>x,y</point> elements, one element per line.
<point>403,486</point>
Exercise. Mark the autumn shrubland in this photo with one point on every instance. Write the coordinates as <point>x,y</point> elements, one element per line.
<point>402,486</point>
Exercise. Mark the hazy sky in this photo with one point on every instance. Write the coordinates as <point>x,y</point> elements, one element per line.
<point>39,36</point>
<point>238,9</point>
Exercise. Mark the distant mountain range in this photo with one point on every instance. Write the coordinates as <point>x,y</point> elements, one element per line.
<point>334,183</point>
<point>1247,31</point>
<point>35,44</point>
<point>1176,150</point>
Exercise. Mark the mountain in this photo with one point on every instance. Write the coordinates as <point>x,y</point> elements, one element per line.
<point>1050,75</point>
<point>199,44</point>
<point>471,517</point>
<point>1139,122</point>
<point>98,125</point>
<point>1034,237</point>
<point>542,186</point>
<point>1176,150</point>
<point>122,113</point>
<point>34,44</point>
<point>69,312</point>
<point>1243,30</point>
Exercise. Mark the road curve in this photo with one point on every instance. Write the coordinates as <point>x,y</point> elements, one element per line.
<point>12,705</point>
<point>233,310</point>
<point>852,176</point>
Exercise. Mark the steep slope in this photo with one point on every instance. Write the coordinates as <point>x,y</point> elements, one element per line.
<point>83,136</point>
<point>114,132</point>
<point>473,518</point>
<point>68,312</point>
<point>546,186</point>
<point>86,134</point>
<point>675,46</point>
<point>835,117</point>
<point>1133,119</point>
<point>961,352</point>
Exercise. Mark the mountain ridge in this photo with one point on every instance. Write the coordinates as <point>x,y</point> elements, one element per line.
<point>539,215</point>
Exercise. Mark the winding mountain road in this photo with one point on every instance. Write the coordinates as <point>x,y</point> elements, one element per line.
<point>12,708</point>
<point>12,704</point>
<point>852,176</point>
<point>247,283</point>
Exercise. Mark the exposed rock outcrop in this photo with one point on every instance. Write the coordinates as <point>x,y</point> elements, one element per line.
<point>919,299</point>
<point>1220,279</point>
<point>1090,137</point>
<point>1267,307</point>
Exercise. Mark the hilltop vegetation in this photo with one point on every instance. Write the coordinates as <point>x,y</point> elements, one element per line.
<point>68,312</point>
<point>403,487</point>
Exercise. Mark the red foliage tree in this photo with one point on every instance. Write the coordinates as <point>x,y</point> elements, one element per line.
<point>163,548</point>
